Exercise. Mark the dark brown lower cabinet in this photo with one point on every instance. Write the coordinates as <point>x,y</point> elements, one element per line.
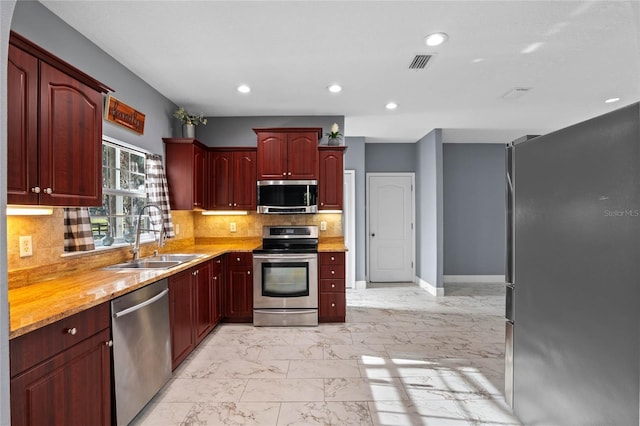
<point>239,287</point>
<point>203,302</point>
<point>332,301</point>
<point>181,317</point>
<point>61,373</point>
<point>195,306</point>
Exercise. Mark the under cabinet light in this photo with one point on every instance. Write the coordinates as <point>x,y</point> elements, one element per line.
<point>329,211</point>
<point>225,213</point>
<point>15,210</point>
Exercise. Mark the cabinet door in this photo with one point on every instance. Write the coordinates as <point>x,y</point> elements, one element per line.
<point>240,294</point>
<point>203,300</point>
<point>272,156</point>
<point>220,184</point>
<point>330,185</point>
<point>302,155</point>
<point>244,180</point>
<point>71,388</point>
<point>22,127</point>
<point>199,177</point>
<point>217,277</point>
<point>180,316</point>
<point>70,141</point>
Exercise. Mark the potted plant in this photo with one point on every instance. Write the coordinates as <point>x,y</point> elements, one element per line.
<point>189,122</point>
<point>334,135</point>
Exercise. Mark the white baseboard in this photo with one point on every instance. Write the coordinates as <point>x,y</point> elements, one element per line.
<point>361,285</point>
<point>434,291</point>
<point>473,278</point>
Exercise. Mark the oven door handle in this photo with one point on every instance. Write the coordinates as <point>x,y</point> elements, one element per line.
<point>280,257</point>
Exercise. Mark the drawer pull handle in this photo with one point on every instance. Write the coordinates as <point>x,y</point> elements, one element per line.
<point>333,258</point>
<point>72,331</point>
<point>109,343</point>
<point>333,286</point>
<point>248,272</point>
<point>238,259</point>
<point>333,305</point>
<point>333,272</point>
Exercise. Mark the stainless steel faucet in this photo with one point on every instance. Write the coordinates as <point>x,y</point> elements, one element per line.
<point>136,248</point>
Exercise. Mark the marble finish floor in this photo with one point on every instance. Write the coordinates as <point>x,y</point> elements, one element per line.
<point>403,357</point>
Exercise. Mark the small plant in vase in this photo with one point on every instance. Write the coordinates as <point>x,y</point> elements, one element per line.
<point>189,122</point>
<point>334,135</point>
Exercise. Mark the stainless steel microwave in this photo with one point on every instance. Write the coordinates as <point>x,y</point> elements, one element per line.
<point>287,196</point>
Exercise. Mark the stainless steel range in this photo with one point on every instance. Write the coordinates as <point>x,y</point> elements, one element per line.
<point>285,281</point>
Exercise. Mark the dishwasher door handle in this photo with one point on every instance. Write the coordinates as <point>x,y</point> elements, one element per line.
<point>141,305</point>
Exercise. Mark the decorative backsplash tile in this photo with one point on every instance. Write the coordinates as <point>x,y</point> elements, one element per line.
<point>47,234</point>
<point>251,224</point>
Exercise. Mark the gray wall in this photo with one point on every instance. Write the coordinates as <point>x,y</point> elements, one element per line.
<point>390,157</point>
<point>237,131</point>
<point>6,11</point>
<point>35,22</point>
<point>474,209</point>
<point>429,229</point>
<point>354,160</point>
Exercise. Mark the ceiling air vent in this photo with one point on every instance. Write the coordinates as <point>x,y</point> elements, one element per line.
<point>420,62</point>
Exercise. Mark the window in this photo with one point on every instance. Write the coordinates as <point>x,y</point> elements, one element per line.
<point>123,195</point>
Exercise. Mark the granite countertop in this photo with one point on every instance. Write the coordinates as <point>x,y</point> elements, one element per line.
<point>40,304</point>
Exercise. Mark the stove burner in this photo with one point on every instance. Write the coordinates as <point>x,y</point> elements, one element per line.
<point>289,239</point>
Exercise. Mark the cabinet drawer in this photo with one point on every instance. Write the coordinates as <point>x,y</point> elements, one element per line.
<point>331,258</point>
<point>240,258</point>
<point>332,307</point>
<point>38,345</point>
<point>335,285</point>
<point>331,271</point>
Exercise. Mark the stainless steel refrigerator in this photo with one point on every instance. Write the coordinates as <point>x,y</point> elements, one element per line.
<point>573,273</point>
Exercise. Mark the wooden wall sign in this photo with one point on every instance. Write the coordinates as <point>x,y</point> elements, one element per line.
<point>120,113</point>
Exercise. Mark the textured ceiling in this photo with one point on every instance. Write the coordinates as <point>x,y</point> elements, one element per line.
<point>573,56</point>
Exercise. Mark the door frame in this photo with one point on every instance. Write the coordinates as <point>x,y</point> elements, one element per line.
<point>349,225</point>
<point>413,218</point>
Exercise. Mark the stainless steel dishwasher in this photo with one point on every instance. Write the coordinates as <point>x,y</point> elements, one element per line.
<point>141,347</point>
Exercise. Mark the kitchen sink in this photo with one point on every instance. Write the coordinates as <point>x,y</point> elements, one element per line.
<point>163,261</point>
<point>146,264</point>
<point>174,257</point>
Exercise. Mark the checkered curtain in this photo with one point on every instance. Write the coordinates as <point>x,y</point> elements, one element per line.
<point>77,230</point>
<point>158,192</point>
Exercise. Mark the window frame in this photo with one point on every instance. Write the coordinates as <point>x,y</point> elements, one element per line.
<point>126,214</point>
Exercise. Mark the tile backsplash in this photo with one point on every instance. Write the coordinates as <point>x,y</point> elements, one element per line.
<point>251,224</point>
<point>47,234</point>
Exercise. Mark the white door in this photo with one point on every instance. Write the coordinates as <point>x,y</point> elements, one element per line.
<point>390,227</point>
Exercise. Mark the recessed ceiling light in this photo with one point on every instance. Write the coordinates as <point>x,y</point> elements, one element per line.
<point>435,39</point>
<point>243,88</point>
<point>391,105</point>
<point>611,100</point>
<point>335,88</point>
